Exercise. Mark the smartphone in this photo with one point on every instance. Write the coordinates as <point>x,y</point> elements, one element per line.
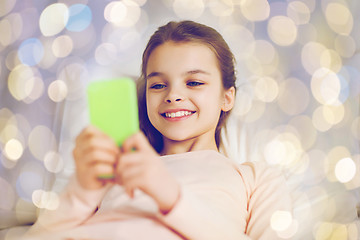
<point>113,108</point>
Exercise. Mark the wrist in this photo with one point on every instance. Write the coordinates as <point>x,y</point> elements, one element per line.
<point>171,199</point>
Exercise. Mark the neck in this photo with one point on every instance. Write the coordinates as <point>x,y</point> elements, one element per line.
<point>174,147</point>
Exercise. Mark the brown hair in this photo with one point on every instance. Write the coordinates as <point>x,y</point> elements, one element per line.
<point>185,31</point>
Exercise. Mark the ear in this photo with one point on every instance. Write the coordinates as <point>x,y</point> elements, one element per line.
<point>229,99</point>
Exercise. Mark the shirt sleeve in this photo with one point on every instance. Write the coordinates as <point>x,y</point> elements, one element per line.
<point>268,195</point>
<point>76,205</point>
<point>194,219</point>
<point>208,212</point>
<point>243,212</point>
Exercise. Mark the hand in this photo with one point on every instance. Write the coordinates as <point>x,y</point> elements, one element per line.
<point>140,167</point>
<point>95,154</point>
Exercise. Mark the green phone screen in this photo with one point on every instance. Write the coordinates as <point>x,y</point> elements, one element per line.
<point>113,107</point>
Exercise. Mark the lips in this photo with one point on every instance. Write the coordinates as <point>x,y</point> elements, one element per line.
<point>173,114</point>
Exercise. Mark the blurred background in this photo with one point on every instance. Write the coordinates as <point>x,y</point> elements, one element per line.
<point>297,102</point>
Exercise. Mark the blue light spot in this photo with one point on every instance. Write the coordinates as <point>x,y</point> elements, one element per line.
<point>79,18</point>
<point>28,182</point>
<point>31,51</point>
<point>344,90</point>
<point>351,75</point>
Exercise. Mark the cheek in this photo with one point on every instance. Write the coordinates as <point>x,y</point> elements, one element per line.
<point>151,104</point>
<point>214,97</point>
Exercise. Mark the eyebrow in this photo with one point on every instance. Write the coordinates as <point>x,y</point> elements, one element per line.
<point>191,72</point>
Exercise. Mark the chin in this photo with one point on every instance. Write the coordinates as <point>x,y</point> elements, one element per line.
<point>177,137</point>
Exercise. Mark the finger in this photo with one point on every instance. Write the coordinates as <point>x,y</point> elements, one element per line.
<point>95,156</point>
<point>138,141</point>
<point>129,170</point>
<point>93,136</point>
<point>126,160</point>
<point>87,132</point>
<point>92,140</point>
<point>95,145</point>
<point>102,170</point>
<point>130,180</point>
<point>90,176</point>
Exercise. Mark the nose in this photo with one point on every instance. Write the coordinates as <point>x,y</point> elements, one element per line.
<point>176,100</point>
<point>173,96</point>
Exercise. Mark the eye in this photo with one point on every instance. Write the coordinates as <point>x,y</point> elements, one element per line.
<point>157,86</point>
<point>194,83</point>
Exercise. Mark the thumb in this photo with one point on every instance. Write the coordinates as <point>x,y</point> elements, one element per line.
<point>137,142</point>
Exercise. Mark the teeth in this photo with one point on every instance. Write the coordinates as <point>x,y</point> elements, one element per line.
<point>178,114</point>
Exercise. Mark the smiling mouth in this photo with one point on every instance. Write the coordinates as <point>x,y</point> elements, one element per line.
<point>177,114</point>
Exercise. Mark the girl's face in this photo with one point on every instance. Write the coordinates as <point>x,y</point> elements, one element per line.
<point>184,93</point>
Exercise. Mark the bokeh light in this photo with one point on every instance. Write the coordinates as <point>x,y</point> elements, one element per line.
<point>319,120</point>
<point>326,86</point>
<point>291,231</point>
<point>284,149</point>
<point>13,149</point>
<point>44,199</point>
<point>323,230</point>
<point>8,128</point>
<point>339,18</point>
<point>266,89</point>
<point>255,10</point>
<point>31,51</point>
<point>6,7</point>
<point>280,220</point>
<point>330,59</point>
<point>62,46</point>
<point>80,17</point>
<point>38,134</point>
<point>336,154</point>
<point>299,12</point>
<point>115,12</point>
<point>122,13</point>
<point>24,84</point>
<point>53,162</point>
<point>53,19</point>
<point>345,170</point>
<point>11,28</point>
<point>311,55</point>
<point>57,90</point>
<point>333,114</point>
<point>282,30</point>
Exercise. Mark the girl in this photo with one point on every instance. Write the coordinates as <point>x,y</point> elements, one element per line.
<point>171,182</point>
